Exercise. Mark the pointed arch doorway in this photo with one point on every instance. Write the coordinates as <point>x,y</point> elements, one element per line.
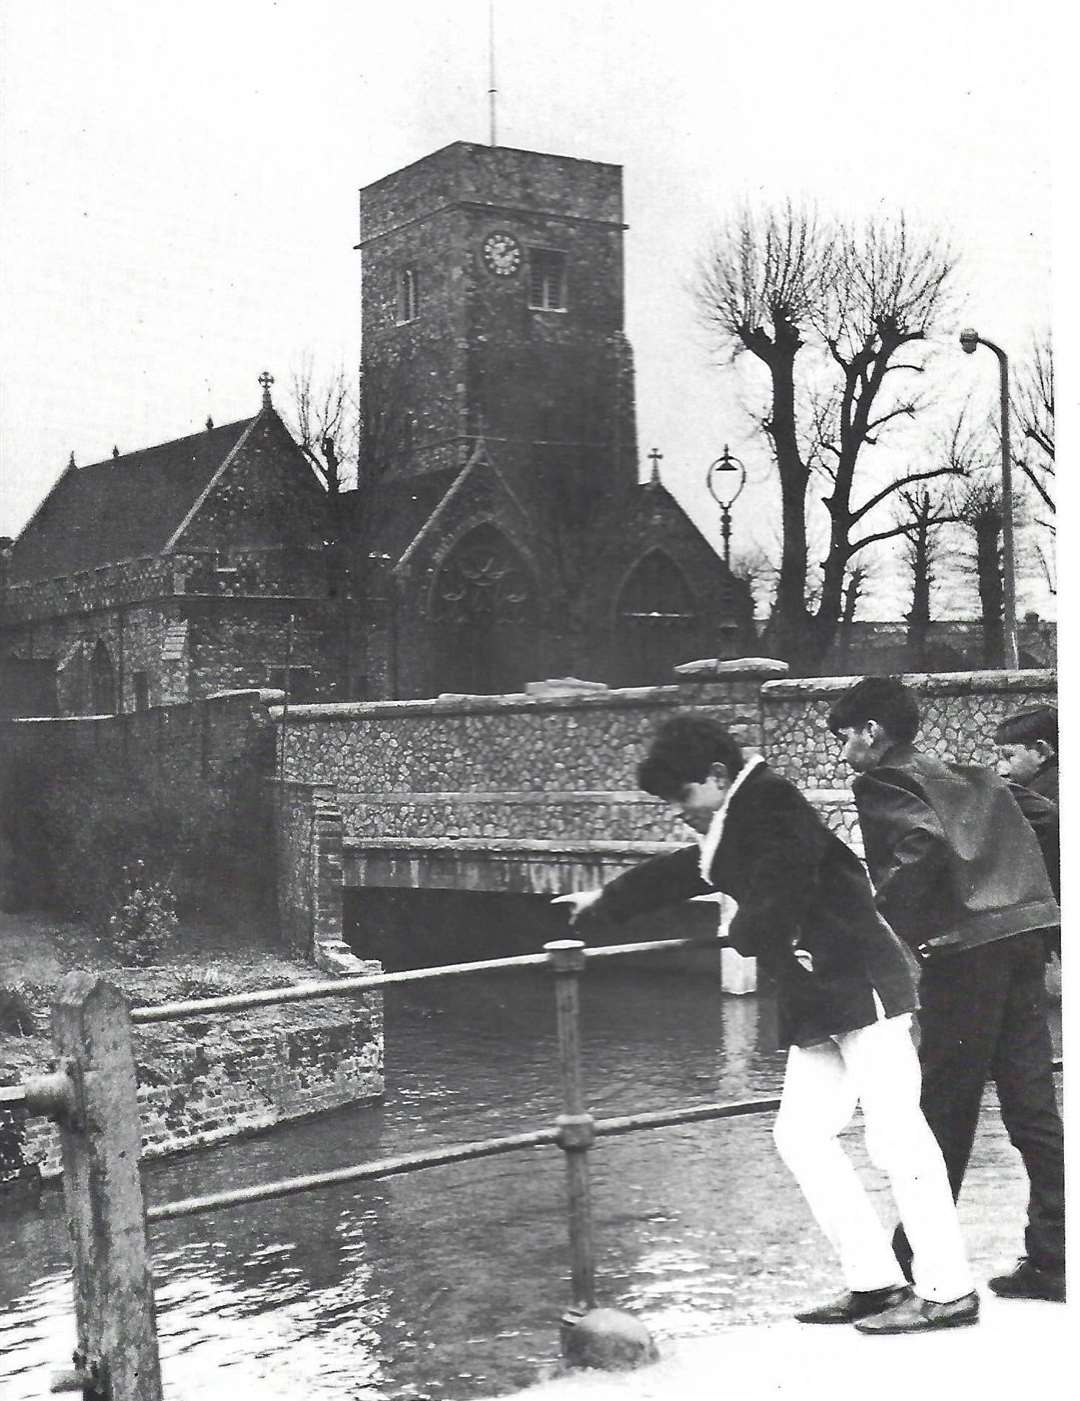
<point>484,614</point>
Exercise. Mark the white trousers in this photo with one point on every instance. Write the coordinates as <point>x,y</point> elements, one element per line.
<point>876,1066</point>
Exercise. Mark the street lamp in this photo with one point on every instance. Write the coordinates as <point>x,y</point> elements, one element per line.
<point>722,494</point>
<point>969,339</point>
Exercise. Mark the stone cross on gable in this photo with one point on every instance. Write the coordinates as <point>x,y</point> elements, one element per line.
<point>655,458</point>
<point>266,379</point>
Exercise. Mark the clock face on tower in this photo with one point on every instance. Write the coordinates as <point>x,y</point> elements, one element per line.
<point>502,254</point>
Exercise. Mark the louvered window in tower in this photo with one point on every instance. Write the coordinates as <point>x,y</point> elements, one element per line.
<point>547,279</point>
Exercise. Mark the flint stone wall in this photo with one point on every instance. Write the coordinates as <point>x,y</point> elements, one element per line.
<point>960,711</point>
<point>558,767</point>
<point>482,792</point>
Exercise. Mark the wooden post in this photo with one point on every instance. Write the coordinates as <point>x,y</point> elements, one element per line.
<point>100,1141</point>
<point>576,1127</point>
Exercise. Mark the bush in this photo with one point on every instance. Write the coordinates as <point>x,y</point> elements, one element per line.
<point>16,1013</point>
<point>144,921</point>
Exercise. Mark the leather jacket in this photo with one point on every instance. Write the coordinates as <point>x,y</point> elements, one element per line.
<point>953,859</point>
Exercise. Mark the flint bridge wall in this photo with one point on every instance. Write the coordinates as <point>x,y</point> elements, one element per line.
<point>536,793</point>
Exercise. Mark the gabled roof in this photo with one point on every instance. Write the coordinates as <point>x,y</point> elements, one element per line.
<point>124,508</point>
<point>478,457</point>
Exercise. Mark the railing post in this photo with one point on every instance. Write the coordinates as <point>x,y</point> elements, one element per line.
<point>591,1337</point>
<point>576,1128</point>
<point>117,1354</point>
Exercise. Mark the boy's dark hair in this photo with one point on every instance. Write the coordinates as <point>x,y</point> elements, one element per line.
<point>1029,726</point>
<point>882,698</point>
<point>683,750</point>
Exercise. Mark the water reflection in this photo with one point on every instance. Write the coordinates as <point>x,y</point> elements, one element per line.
<point>449,1283</point>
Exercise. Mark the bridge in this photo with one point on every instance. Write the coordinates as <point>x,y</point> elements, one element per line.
<point>536,793</point>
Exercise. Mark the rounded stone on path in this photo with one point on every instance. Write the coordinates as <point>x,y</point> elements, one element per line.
<point>607,1338</point>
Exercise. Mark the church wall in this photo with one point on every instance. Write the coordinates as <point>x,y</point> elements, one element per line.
<point>266,495</point>
<point>245,643</point>
<point>249,593</point>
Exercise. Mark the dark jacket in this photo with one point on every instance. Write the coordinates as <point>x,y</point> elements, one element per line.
<point>1042,815</point>
<point>953,861</point>
<point>798,886</point>
<point>1045,782</point>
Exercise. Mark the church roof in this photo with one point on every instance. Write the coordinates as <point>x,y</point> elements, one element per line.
<point>124,508</point>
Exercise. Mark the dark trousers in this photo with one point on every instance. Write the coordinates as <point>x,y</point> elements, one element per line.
<point>983,1017</point>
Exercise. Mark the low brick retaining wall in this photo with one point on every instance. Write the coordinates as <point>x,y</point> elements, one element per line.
<point>208,1079</point>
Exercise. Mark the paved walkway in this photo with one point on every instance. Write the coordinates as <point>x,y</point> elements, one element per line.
<point>1018,1351</point>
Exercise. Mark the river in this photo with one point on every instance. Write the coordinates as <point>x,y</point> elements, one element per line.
<point>449,1283</point>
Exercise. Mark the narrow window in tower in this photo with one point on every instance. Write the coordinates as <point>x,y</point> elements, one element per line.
<point>547,279</point>
<point>408,301</point>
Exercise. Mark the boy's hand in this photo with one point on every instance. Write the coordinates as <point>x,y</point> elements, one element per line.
<point>579,900</point>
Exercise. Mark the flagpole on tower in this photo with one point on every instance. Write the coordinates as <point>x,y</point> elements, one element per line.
<point>491,68</point>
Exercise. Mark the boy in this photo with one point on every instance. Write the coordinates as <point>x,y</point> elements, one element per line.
<point>1028,742</point>
<point>1027,759</point>
<point>846,989</point>
<point>959,875</point>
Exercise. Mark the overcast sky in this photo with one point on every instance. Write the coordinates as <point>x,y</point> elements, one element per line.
<point>179,186</point>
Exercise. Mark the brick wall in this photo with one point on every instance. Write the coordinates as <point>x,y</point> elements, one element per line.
<point>203,1081</point>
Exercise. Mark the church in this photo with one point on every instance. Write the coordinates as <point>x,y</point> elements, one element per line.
<point>500,534</point>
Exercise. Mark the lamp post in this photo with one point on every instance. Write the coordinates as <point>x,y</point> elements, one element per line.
<point>719,484</point>
<point>969,339</point>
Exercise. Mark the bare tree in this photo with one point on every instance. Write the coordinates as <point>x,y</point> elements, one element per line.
<point>982,516</point>
<point>857,580</point>
<point>356,432</point>
<point>325,422</point>
<point>921,512</point>
<point>1033,409</point>
<point>840,317</point>
<point>758,571</point>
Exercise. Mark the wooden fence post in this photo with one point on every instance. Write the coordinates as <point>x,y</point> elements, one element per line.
<point>100,1141</point>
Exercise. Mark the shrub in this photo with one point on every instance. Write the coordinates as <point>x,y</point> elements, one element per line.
<point>144,921</point>
<point>16,1013</point>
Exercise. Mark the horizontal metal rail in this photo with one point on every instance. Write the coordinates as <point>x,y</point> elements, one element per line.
<point>452,1153</point>
<point>343,987</point>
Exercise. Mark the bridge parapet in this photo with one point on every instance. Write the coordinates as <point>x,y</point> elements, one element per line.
<point>537,793</point>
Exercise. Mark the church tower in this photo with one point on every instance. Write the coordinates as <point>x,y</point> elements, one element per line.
<point>498,401</point>
<point>493,306</point>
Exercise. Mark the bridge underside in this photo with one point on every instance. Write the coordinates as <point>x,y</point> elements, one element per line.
<point>491,864</point>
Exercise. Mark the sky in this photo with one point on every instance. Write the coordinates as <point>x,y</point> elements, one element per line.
<point>179,187</point>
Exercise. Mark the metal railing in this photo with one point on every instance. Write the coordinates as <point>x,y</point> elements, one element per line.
<point>93,1098</point>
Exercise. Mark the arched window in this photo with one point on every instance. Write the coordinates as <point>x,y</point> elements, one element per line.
<point>483,609</point>
<point>102,681</point>
<point>656,621</point>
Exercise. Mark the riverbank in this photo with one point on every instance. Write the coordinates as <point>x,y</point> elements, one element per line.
<point>199,1081</point>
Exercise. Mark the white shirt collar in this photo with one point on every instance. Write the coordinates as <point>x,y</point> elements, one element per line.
<point>710,840</point>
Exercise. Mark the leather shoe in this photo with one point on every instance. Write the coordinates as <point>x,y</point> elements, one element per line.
<point>856,1303</point>
<point>1028,1281</point>
<point>915,1315</point>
